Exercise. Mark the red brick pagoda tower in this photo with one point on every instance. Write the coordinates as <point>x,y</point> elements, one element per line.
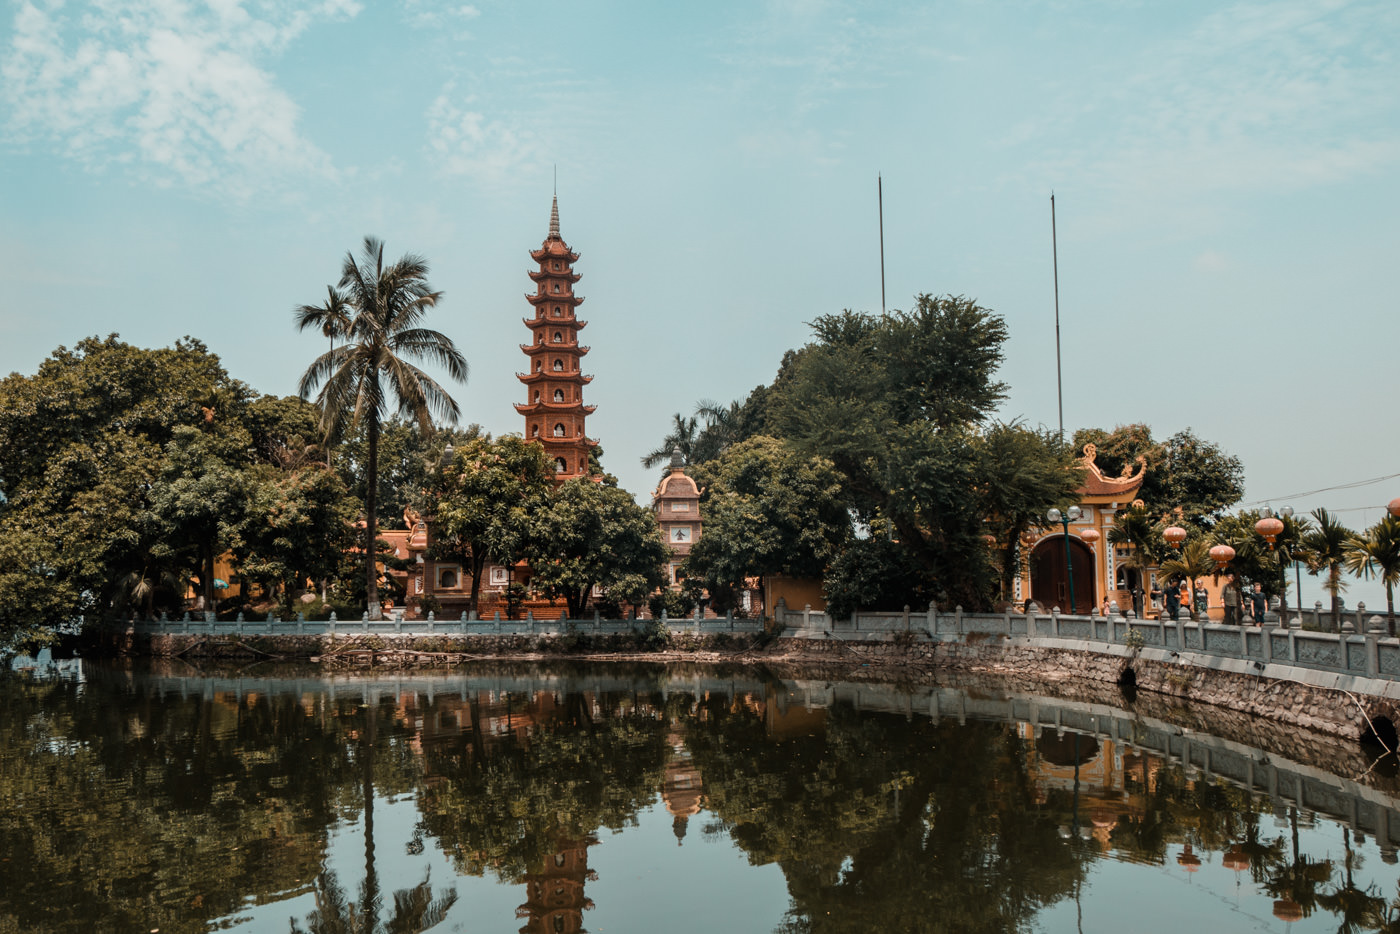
<point>554,412</point>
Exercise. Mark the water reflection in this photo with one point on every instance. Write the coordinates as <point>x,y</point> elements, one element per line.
<point>133,801</point>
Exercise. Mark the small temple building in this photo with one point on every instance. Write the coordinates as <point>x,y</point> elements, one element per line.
<point>1045,579</point>
<point>676,502</point>
<point>554,410</point>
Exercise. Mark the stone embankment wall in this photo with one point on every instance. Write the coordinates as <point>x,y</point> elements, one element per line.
<point>1317,707</point>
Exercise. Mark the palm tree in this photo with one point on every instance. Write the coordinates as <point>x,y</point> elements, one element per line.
<point>1324,549</point>
<point>1191,562</point>
<point>374,312</point>
<point>1136,528</point>
<point>1377,554</point>
<point>683,435</point>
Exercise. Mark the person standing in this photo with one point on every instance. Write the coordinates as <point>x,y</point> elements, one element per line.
<point>1171,599</point>
<point>1258,603</point>
<point>1230,596</point>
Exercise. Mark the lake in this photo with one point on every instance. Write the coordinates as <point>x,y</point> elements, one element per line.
<point>162,798</point>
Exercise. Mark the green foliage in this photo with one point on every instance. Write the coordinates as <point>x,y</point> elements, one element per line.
<point>1376,553</point>
<point>895,403</point>
<point>874,574</point>
<point>1182,473</point>
<point>1324,549</point>
<point>678,603</point>
<point>115,464</point>
<point>375,317</point>
<point>768,510</point>
<point>590,534</point>
<point>485,501</point>
<point>1023,472</point>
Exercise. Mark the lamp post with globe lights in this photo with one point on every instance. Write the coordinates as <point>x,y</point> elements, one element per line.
<point>1064,519</point>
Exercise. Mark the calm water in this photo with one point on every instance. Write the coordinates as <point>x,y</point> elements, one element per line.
<point>544,801</point>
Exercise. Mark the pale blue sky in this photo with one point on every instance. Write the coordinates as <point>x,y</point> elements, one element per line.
<point>1225,179</point>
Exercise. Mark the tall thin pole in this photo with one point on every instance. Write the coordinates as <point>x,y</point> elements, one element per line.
<point>880,197</point>
<point>1055,260</point>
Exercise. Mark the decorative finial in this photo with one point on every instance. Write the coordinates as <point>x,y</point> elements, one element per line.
<point>677,460</point>
<point>554,220</point>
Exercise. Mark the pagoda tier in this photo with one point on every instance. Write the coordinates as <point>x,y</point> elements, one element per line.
<point>546,298</point>
<point>555,412</point>
<point>543,377</point>
<point>564,348</point>
<point>544,275</point>
<point>545,407</point>
<point>543,322</point>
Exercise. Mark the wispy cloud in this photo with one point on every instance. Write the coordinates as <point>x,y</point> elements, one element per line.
<point>465,141</point>
<point>1256,97</point>
<point>439,15</point>
<point>175,92</point>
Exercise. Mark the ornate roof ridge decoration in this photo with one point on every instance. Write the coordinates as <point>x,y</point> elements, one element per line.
<point>1121,487</point>
<point>554,220</point>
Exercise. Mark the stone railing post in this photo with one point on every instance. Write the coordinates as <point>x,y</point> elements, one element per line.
<point>1055,621</point>
<point>931,618</point>
<point>1373,648</point>
<point>780,611</point>
<point>958,615</point>
<point>806,616</point>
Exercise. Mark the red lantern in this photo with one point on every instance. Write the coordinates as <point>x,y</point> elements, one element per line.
<point>1269,528</point>
<point>1394,507</point>
<point>1089,536</point>
<point>1175,535</point>
<point>1222,555</point>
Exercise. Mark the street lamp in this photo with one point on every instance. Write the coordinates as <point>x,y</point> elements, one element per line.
<point>1070,514</point>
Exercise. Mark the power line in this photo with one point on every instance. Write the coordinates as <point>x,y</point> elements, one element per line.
<point>1325,489</point>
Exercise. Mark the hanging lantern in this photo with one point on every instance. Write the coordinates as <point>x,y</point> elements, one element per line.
<point>1394,507</point>
<point>1089,536</point>
<point>1222,555</point>
<point>1174,535</point>
<point>1270,528</point>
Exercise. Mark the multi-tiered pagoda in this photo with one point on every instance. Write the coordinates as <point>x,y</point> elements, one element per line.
<point>555,411</point>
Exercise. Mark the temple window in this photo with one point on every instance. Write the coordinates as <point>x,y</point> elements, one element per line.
<point>556,287</point>
<point>558,312</point>
<point>537,395</point>
<point>559,465</point>
<point>534,431</point>
<point>559,430</point>
<point>539,365</point>
<point>558,338</point>
<point>558,366</point>
<point>558,395</point>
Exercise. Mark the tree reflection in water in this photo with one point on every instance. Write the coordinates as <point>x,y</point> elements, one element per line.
<point>139,809</point>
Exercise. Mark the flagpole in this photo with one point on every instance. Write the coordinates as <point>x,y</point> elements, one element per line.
<point>1055,260</point>
<point>880,198</point>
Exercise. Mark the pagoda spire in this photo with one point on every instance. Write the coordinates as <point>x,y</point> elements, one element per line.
<point>554,409</point>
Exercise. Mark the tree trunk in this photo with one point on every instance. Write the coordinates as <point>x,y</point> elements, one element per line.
<point>371,523</point>
<point>1390,605</point>
<point>210,602</point>
<point>477,567</point>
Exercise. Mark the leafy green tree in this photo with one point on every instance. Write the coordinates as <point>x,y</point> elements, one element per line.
<point>485,501</point>
<point>1324,549</point>
<point>299,525</point>
<point>768,510</point>
<point>874,573</point>
<point>894,402</point>
<point>1137,528</point>
<point>1376,553</point>
<point>86,448</point>
<point>680,438</point>
<point>201,499</point>
<point>593,535</point>
<point>1024,471</point>
<point>377,311</point>
<point>1183,472</point>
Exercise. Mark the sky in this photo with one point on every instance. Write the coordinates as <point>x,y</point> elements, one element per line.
<point>1225,177</point>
